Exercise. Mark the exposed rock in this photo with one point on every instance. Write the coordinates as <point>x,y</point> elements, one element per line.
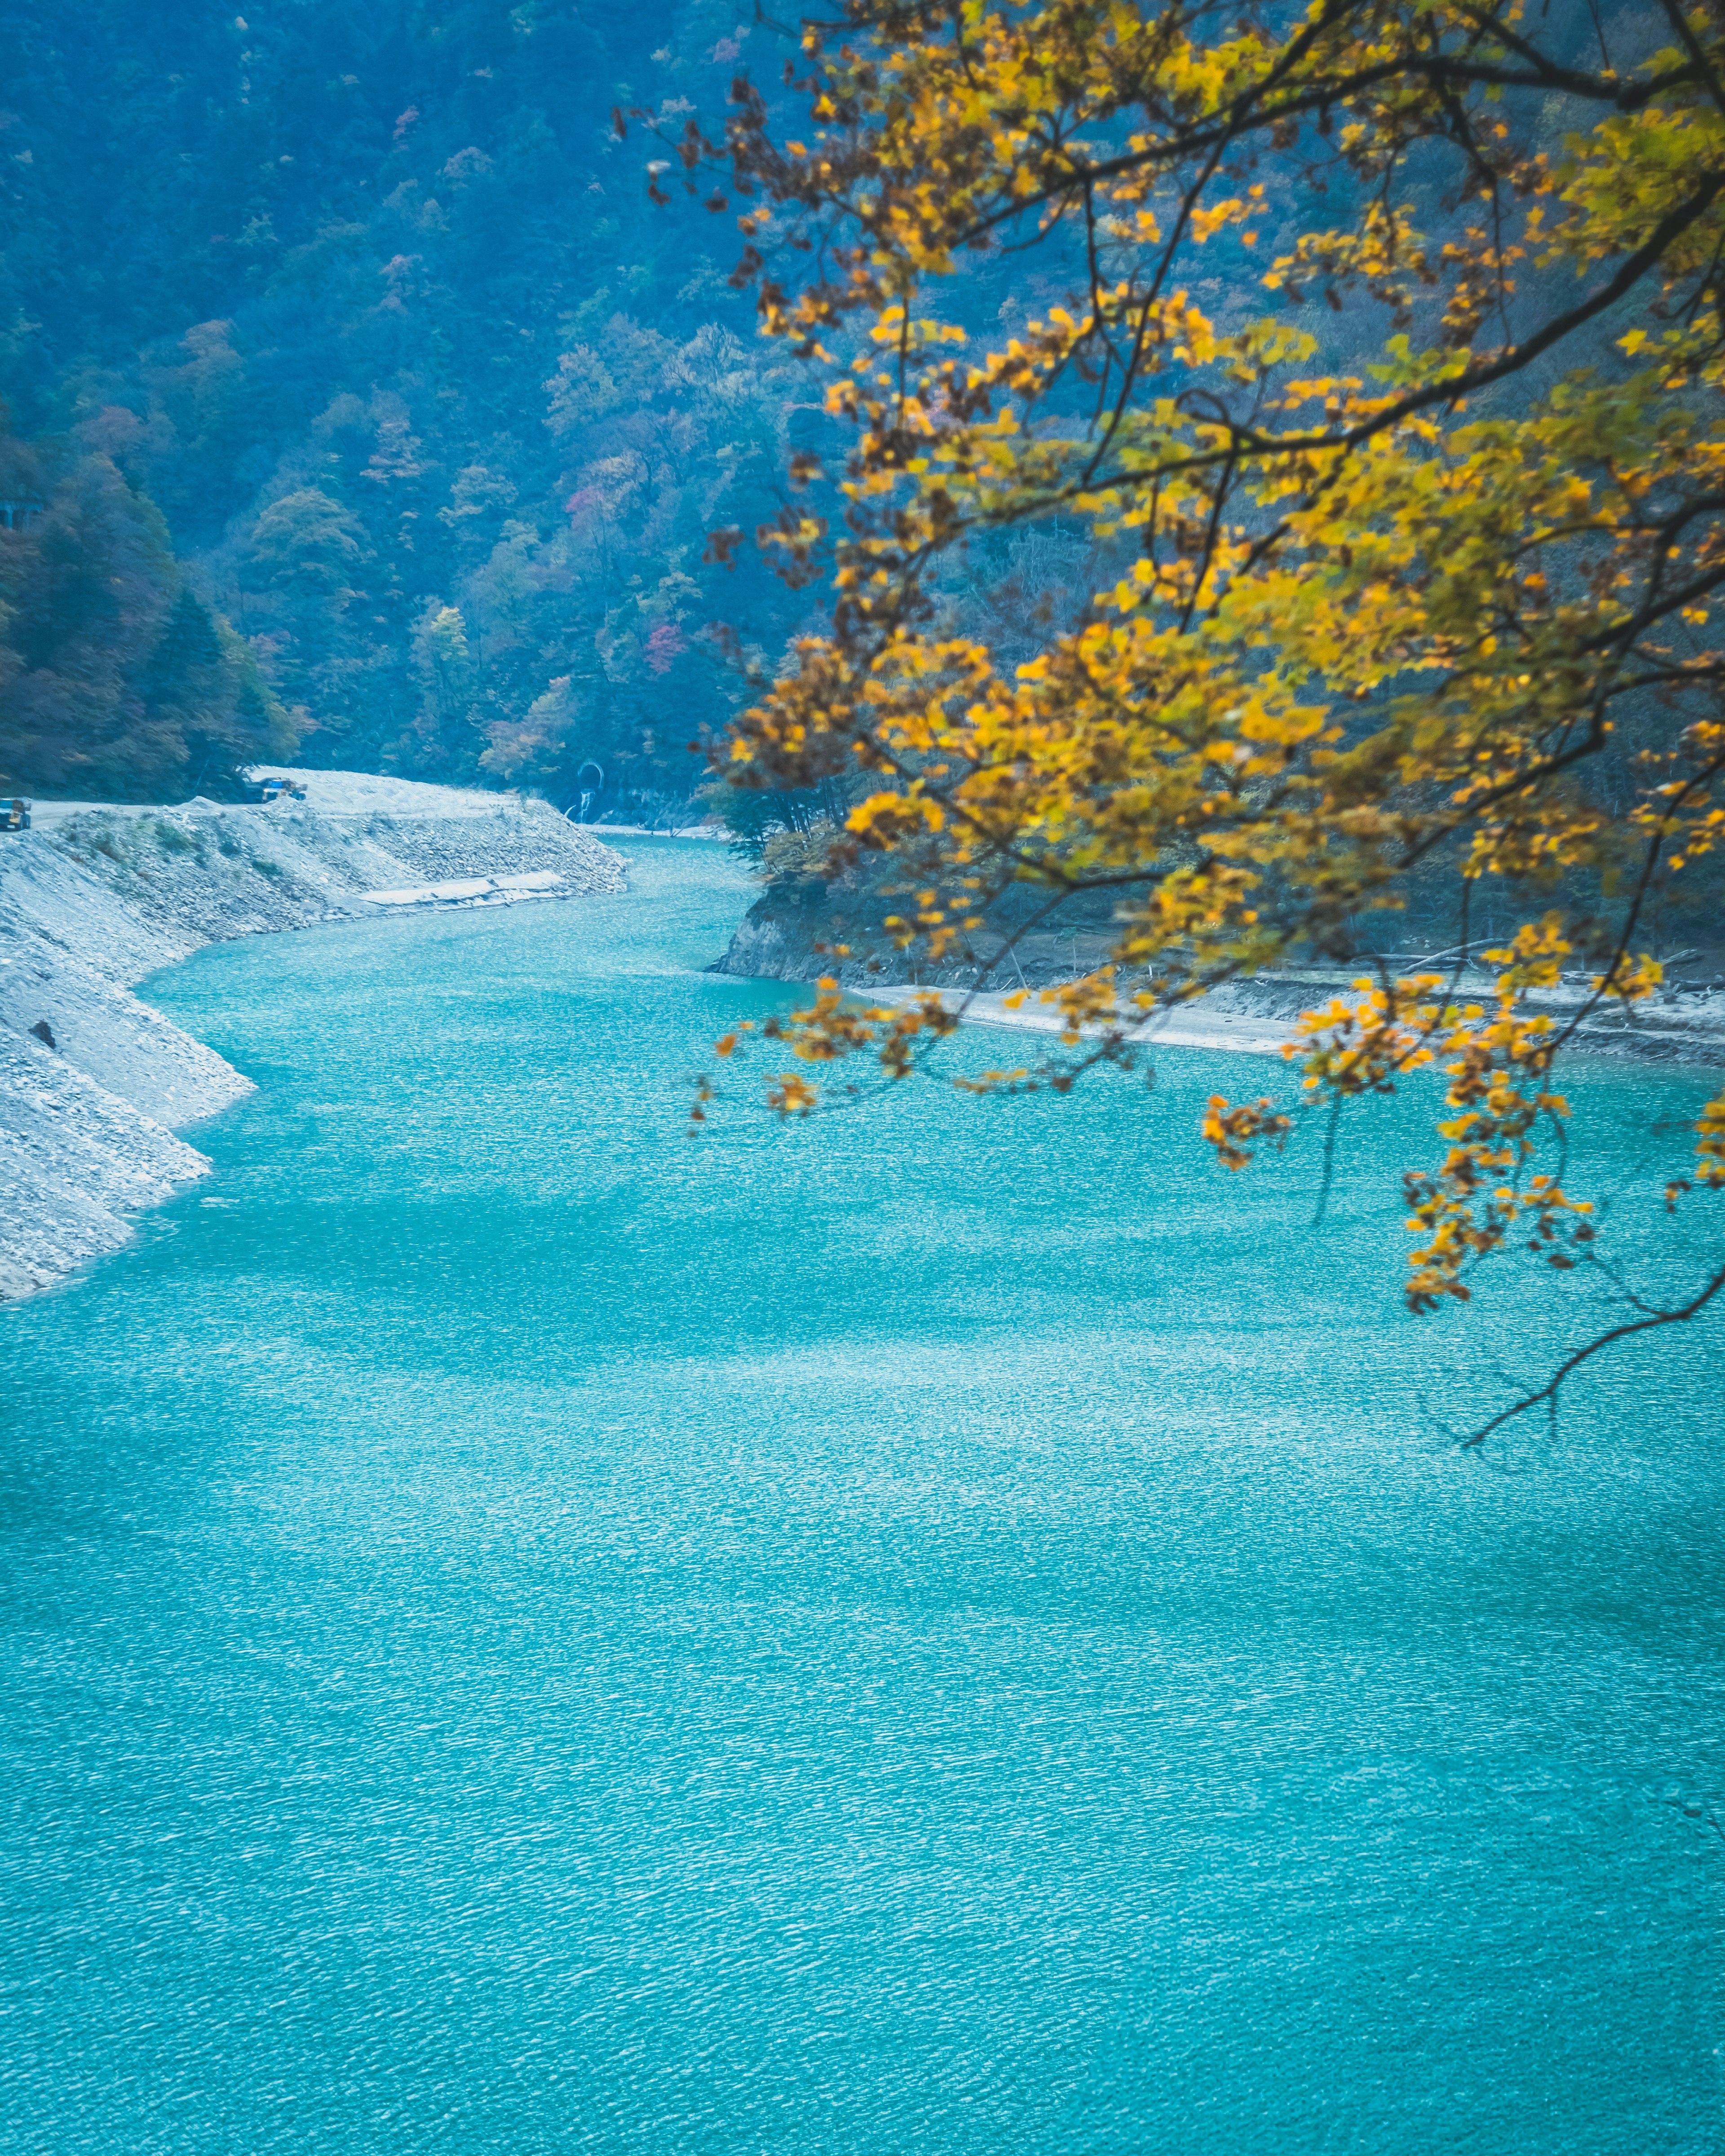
<point>792,930</point>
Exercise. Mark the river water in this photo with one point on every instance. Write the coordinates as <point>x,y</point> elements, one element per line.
<point>933,1632</point>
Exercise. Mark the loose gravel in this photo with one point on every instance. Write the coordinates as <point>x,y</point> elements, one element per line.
<point>93,901</point>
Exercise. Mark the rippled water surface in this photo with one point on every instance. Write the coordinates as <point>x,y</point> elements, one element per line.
<point>931,1632</point>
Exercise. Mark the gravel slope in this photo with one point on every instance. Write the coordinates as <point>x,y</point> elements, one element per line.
<point>93,1082</point>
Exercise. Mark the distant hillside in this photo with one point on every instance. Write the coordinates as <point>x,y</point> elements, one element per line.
<point>435,408</point>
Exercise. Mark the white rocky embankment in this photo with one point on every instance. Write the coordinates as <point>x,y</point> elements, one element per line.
<point>93,1082</point>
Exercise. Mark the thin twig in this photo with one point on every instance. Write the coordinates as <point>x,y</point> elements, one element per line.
<point>1547,1395</point>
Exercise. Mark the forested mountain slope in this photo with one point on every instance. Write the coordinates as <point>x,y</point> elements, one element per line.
<point>358,394</point>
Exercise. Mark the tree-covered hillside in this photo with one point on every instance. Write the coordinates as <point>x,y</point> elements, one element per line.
<point>344,350</point>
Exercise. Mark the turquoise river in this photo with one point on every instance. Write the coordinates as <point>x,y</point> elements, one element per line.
<point>951,1629</point>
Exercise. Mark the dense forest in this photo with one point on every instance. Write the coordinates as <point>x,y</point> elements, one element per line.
<point>359,406</point>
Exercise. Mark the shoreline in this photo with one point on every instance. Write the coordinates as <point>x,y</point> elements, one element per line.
<point>1239,1028</point>
<point>93,1083</point>
<point>787,934</point>
<point>1237,1035</point>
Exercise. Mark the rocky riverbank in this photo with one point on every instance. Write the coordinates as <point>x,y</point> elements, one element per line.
<point>781,938</point>
<point>94,1084</point>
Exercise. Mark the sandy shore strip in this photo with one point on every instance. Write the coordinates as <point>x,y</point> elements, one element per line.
<point>1681,1030</point>
<point>1244,1034</point>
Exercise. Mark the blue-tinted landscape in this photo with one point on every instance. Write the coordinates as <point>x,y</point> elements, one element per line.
<point>862,985</point>
<point>526,1634</point>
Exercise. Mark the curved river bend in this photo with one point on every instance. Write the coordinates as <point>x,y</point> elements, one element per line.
<point>925,1634</point>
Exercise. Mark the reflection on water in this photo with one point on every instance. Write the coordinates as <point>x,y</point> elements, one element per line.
<point>926,1634</point>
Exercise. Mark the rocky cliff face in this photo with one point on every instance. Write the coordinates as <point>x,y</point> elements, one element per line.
<point>777,938</point>
<point>93,1082</point>
<point>782,935</point>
